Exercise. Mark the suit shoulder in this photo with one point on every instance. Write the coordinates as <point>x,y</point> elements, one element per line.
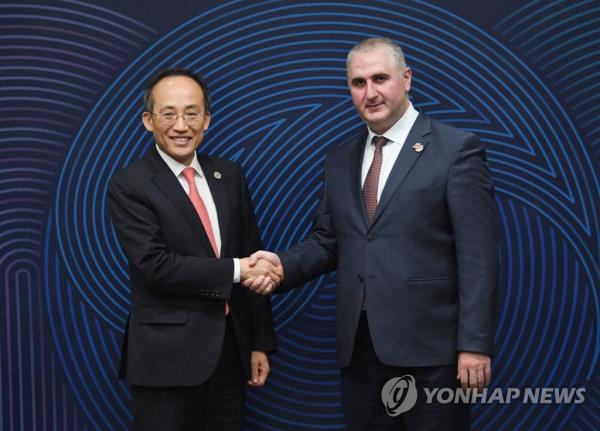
<point>225,163</point>
<point>345,147</point>
<point>449,133</point>
<point>220,164</point>
<point>137,169</point>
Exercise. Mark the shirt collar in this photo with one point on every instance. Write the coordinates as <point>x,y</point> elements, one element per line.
<point>177,167</point>
<point>398,132</point>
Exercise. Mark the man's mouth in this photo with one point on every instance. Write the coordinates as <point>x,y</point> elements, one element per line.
<point>374,106</point>
<point>180,140</point>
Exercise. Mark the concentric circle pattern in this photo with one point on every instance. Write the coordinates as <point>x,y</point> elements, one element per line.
<point>277,73</point>
<point>54,61</point>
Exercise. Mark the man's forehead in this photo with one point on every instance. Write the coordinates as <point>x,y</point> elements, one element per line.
<point>177,85</point>
<point>362,61</point>
<point>175,91</point>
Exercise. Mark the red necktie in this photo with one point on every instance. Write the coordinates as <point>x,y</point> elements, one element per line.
<point>198,203</point>
<point>371,184</point>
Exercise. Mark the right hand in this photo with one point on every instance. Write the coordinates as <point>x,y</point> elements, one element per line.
<point>260,275</point>
<point>260,284</point>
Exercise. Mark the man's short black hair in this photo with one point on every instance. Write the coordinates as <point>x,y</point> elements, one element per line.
<point>179,71</point>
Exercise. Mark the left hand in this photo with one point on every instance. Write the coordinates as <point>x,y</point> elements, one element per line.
<point>259,367</point>
<point>474,370</point>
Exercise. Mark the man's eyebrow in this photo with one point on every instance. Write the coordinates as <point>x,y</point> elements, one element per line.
<point>195,105</point>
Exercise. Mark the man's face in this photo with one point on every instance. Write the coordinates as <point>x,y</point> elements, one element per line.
<point>378,87</point>
<point>177,96</point>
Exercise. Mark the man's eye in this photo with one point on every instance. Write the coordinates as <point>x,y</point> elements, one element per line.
<point>358,83</point>
<point>191,116</point>
<point>168,117</point>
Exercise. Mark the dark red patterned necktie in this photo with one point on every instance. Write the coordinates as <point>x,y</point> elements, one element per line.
<point>371,184</point>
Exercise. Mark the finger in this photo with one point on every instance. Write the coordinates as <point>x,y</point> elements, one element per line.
<point>252,259</point>
<point>264,372</point>
<point>275,278</point>
<point>268,289</point>
<point>487,374</point>
<point>255,365</point>
<point>269,257</point>
<point>472,377</point>
<point>248,282</point>
<point>257,283</point>
<point>265,284</point>
<point>464,377</point>
<point>480,378</point>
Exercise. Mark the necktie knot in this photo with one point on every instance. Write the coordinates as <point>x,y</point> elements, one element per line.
<point>371,184</point>
<point>188,174</point>
<point>379,142</point>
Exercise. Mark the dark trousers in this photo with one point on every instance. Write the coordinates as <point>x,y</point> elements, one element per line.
<point>364,378</point>
<point>217,404</point>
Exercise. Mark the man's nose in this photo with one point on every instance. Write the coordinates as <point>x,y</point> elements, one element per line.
<point>180,123</point>
<point>371,90</point>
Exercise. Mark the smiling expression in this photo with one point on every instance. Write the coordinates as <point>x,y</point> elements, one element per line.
<point>379,88</point>
<point>177,95</point>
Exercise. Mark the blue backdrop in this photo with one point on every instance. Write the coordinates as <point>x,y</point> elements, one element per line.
<point>522,75</point>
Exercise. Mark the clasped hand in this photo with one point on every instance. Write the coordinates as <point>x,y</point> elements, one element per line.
<point>262,272</point>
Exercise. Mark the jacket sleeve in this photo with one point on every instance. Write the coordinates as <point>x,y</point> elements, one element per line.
<point>474,219</point>
<point>317,254</point>
<point>151,262</point>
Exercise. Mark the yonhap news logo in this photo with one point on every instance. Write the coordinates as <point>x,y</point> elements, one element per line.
<point>399,395</point>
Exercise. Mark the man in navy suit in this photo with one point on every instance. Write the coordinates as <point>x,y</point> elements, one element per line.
<point>194,336</point>
<point>408,220</point>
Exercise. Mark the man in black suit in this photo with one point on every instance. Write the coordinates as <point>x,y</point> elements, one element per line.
<point>194,335</point>
<point>408,220</point>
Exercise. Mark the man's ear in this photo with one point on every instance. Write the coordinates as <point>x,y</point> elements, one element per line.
<point>207,118</point>
<point>407,75</point>
<point>147,120</point>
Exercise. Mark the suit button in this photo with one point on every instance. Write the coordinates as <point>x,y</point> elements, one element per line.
<point>361,278</point>
<point>369,238</point>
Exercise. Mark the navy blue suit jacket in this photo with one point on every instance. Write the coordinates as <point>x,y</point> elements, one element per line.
<point>176,326</point>
<point>428,262</point>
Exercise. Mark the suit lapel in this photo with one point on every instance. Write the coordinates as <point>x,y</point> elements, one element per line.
<point>216,184</point>
<point>356,157</point>
<point>169,185</point>
<point>419,133</point>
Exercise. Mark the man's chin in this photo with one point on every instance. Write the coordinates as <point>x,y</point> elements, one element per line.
<point>376,117</point>
<point>377,125</point>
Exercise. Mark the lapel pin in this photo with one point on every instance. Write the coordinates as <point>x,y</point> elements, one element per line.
<point>418,147</point>
<point>217,175</point>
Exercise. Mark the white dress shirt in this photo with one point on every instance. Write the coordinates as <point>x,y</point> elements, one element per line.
<point>396,135</point>
<point>202,186</point>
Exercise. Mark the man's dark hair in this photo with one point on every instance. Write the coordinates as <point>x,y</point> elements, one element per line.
<point>148,102</point>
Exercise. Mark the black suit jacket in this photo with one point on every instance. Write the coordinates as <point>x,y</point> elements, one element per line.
<point>178,287</point>
<point>428,262</point>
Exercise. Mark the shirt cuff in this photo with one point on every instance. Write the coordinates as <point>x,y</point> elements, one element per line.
<point>236,270</point>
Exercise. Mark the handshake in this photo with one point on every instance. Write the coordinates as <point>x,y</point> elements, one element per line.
<point>261,272</point>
